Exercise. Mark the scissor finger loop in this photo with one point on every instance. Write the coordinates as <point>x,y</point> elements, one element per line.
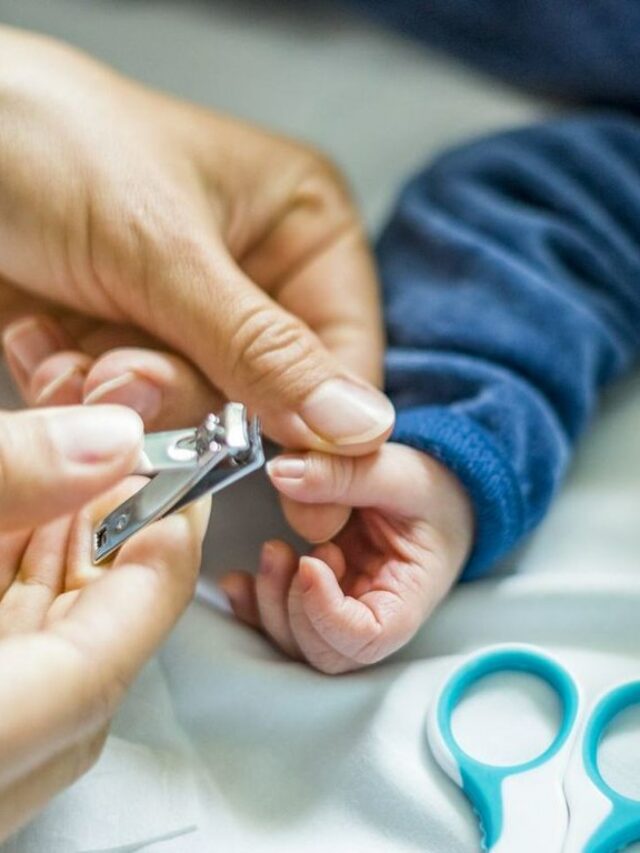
<point>557,801</point>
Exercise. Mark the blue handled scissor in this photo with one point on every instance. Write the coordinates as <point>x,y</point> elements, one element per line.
<point>557,801</point>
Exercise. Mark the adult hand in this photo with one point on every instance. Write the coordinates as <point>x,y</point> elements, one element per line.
<point>155,221</point>
<point>70,647</point>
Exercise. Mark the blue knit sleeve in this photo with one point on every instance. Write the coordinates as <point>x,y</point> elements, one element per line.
<point>511,272</point>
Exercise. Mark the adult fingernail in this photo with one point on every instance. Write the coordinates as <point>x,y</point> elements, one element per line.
<point>344,412</point>
<point>73,377</point>
<point>130,390</point>
<point>28,342</point>
<point>94,435</point>
<point>287,467</point>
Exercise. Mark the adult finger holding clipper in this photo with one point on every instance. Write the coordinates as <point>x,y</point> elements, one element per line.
<point>72,636</point>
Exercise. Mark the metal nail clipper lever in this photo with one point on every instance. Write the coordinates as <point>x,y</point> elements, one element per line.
<point>185,465</point>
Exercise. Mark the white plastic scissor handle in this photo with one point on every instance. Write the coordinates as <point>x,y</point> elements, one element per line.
<point>521,808</point>
<point>602,820</point>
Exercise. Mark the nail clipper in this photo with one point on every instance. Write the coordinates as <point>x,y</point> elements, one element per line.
<point>184,465</point>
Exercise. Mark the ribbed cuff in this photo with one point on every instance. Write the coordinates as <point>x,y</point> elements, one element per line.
<point>472,454</point>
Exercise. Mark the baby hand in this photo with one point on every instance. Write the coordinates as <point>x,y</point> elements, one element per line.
<point>357,599</point>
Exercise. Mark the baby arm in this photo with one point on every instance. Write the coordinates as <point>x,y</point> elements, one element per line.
<point>511,271</point>
<point>512,289</point>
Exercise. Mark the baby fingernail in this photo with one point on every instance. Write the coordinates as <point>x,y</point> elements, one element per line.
<point>287,467</point>
<point>344,412</point>
<point>28,342</point>
<point>94,435</point>
<point>129,390</point>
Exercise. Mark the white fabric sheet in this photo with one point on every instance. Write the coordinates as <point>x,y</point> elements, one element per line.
<point>233,748</point>
<point>223,745</point>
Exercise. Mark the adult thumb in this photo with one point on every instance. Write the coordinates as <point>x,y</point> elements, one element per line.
<point>305,398</point>
<point>52,461</point>
<point>254,350</point>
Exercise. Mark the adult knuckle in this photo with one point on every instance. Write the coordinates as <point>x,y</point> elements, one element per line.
<point>155,228</point>
<point>322,167</point>
<point>323,186</point>
<point>270,350</point>
<point>152,217</point>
